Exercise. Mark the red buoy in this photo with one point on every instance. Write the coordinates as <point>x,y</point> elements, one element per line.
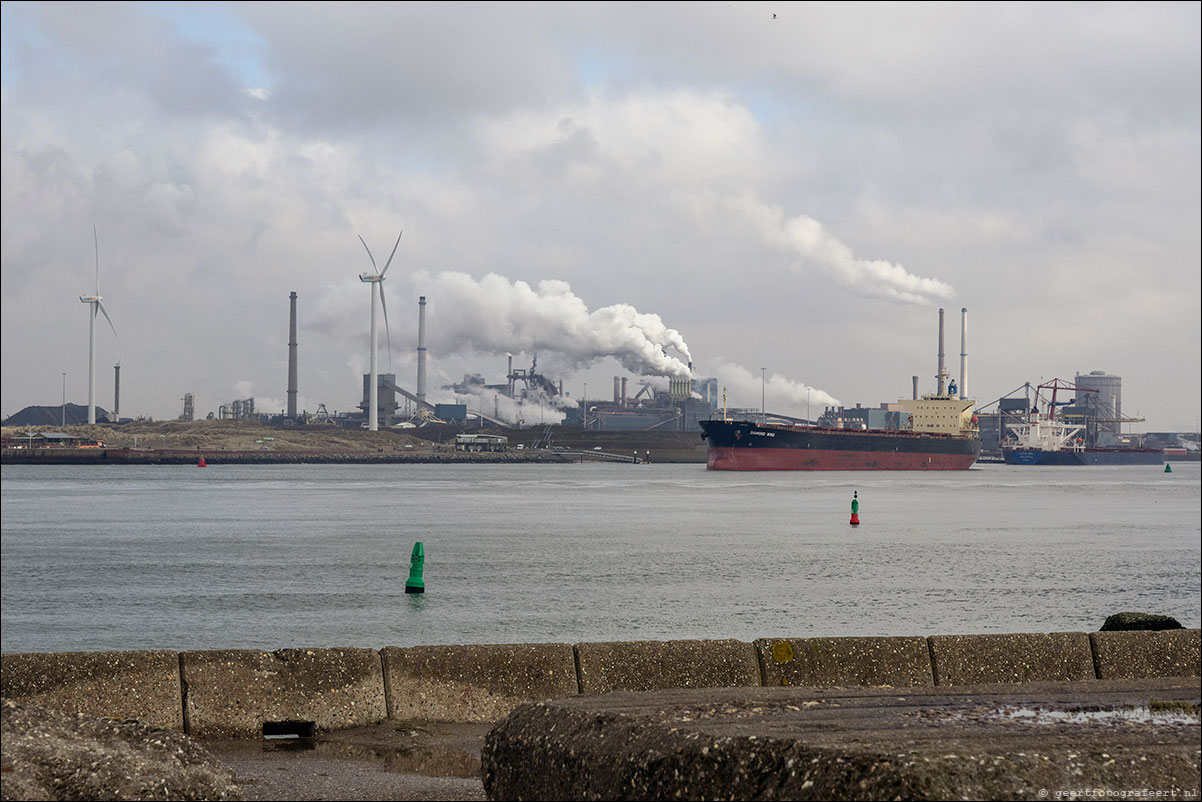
<point>201,463</point>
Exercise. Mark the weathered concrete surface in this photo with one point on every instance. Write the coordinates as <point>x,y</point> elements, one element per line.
<point>1023,657</point>
<point>230,694</point>
<point>389,760</point>
<point>48,754</point>
<point>892,662</point>
<point>652,665</point>
<point>970,742</point>
<point>144,685</point>
<point>1131,655</point>
<point>474,683</point>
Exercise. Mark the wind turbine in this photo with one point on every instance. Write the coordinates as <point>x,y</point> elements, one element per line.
<point>377,288</point>
<point>94,302</point>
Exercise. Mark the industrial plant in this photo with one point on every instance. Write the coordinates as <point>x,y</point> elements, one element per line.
<point>524,397</point>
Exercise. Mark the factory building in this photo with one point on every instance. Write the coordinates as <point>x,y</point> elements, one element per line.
<point>889,417</point>
<point>1105,406</point>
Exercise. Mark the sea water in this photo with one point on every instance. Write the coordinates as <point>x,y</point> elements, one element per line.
<point>271,556</point>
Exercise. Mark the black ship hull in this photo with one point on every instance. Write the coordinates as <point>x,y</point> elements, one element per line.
<point>748,446</point>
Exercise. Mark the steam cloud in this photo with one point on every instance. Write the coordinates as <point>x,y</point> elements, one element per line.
<point>495,315</point>
<point>779,393</point>
<point>808,239</point>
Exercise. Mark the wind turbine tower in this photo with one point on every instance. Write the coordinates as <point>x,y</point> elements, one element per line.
<point>96,306</point>
<point>377,288</point>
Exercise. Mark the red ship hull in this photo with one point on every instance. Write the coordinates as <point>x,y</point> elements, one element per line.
<point>783,459</point>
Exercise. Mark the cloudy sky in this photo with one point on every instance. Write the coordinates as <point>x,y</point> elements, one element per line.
<point>619,188</point>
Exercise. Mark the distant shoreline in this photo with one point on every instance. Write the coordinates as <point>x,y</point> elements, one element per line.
<point>130,456</point>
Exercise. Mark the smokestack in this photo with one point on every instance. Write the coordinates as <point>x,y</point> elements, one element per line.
<point>623,391</point>
<point>292,356</point>
<point>915,388</point>
<point>117,393</point>
<point>963,354</point>
<point>421,350</point>
<point>941,376</point>
<point>617,390</point>
<point>509,375</point>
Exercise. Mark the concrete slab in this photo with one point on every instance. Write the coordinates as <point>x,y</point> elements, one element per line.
<point>139,685</point>
<point>231,694</point>
<point>386,761</point>
<point>1038,741</point>
<point>652,665</point>
<point>1022,657</point>
<point>891,662</point>
<point>475,683</point>
<point>1131,655</point>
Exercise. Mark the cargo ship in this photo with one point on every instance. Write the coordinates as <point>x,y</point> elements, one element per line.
<point>940,435</point>
<point>1045,439</point>
<point>1054,442</point>
<point>943,437</point>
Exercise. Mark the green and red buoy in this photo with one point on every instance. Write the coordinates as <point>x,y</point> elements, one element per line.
<point>855,508</point>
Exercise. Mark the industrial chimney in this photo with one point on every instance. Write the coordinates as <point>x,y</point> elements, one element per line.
<point>617,391</point>
<point>941,376</point>
<point>421,351</point>
<point>915,388</point>
<point>963,354</point>
<point>117,393</point>
<point>292,356</point>
<point>623,391</point>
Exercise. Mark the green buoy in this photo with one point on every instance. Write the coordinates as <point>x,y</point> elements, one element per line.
<point>415,583</point>
<point>1168,468</point>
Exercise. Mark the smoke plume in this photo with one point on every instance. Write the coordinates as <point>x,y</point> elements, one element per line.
<point>778,393</point>
<point>808,241</point>
<point>495,315</point>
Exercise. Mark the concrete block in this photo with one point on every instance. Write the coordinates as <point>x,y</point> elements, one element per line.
<point>880,662</point>
<point>475,683</point>
<point>1021,657</point>
<point>1136,655</point>
<point>231,694</point>
<point>966,742</point>
<point>138,685</point>
<point>656,665</point>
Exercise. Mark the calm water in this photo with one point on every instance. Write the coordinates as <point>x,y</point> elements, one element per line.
<point>176,557</point>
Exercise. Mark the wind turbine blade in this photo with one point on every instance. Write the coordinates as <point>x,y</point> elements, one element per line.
<point>100,306</point>
<point>394,247</point>
<point>387,336</point>
<point>369,256</point>
<point>96,242</point>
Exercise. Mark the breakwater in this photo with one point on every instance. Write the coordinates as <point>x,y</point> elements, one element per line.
<point>243,693</point>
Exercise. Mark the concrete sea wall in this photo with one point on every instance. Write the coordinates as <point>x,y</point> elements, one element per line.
<point>239,693</point>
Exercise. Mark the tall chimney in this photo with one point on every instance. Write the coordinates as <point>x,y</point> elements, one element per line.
<point>941,376</point>
<point>963,353</point>
<point>509,375</point>
<point>117,393</point>
<point>292,356</point>
<point>623,391</point>
<point>617,390</point>
<point>421,350</point>
<point>915,388</point>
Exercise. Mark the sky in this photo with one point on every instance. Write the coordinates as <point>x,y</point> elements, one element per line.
<point>781,194</point>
